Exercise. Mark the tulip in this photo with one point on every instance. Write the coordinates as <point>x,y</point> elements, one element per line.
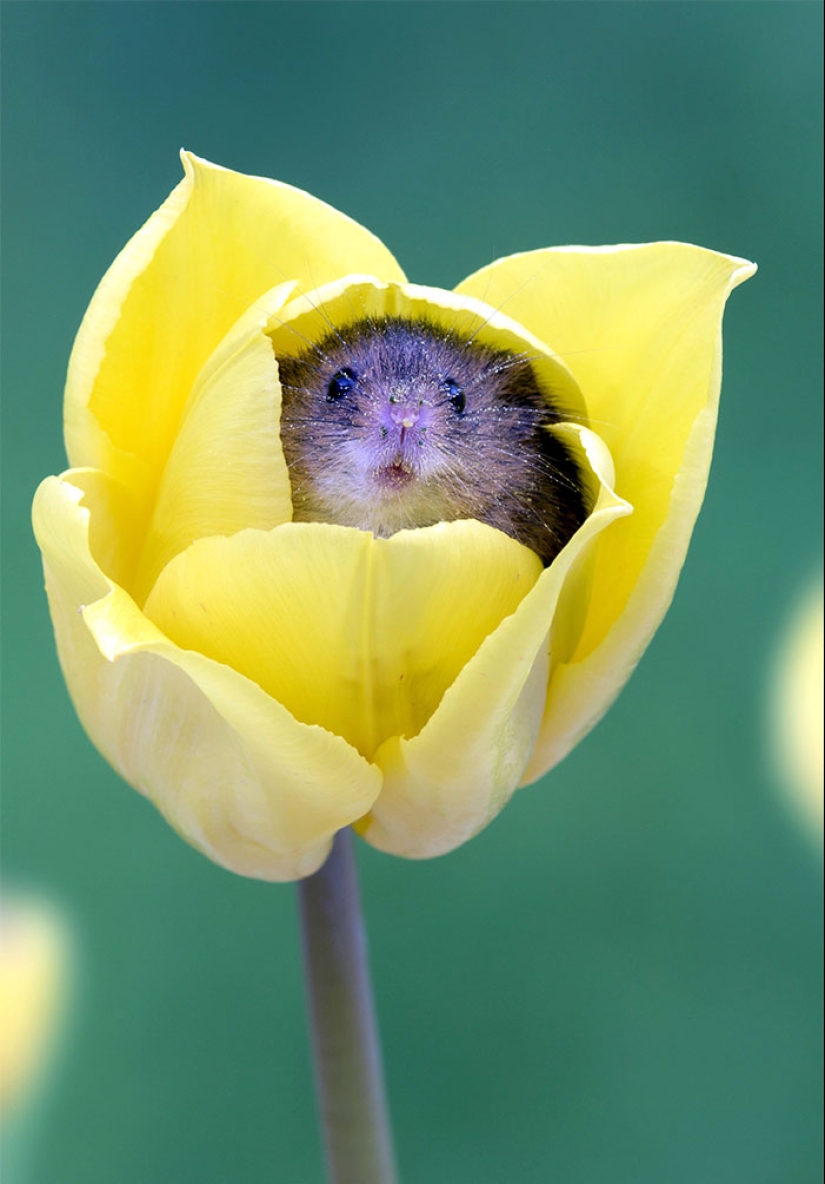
<point>267,682</point>
<point>270,680</point>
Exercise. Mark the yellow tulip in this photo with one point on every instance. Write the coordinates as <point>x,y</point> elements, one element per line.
<point>267,682</point>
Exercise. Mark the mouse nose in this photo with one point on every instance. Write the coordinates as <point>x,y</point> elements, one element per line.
<point>405,415</point>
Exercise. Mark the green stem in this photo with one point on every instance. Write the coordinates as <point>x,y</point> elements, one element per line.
<point>347,1053</point>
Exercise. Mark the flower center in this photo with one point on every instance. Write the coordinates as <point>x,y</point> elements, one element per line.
<point>393,423</point>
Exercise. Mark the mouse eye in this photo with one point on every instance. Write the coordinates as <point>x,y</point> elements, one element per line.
<point>455,394</point>
<point>341,384</point>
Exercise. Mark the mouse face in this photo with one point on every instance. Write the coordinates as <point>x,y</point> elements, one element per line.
<point>395,423</point>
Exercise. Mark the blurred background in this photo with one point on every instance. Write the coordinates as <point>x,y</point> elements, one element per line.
<point>618,982</point>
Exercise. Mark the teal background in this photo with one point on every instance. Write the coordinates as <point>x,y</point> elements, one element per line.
<point>618,982</point>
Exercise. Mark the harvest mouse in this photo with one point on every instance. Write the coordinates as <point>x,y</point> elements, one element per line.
<point>394,422</point>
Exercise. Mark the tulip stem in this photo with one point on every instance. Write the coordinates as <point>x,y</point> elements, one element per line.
<point>349,1075</point>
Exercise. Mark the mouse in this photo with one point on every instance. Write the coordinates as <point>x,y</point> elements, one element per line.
<point>392,423</point>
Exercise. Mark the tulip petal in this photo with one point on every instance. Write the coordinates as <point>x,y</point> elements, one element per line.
<point>226,470</point>
<point>231,770</point>
<point>447,783</point>
<point>217,244</point>
<point>358,634</point>
<point>640,329</point>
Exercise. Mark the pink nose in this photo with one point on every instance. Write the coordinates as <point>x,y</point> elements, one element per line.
<point>404,416</point>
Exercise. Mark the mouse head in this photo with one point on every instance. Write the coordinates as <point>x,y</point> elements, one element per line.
<point>397,422</point>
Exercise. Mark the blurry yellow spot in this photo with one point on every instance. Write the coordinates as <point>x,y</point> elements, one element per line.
<point>798,708</point>
<point>32,981</point>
